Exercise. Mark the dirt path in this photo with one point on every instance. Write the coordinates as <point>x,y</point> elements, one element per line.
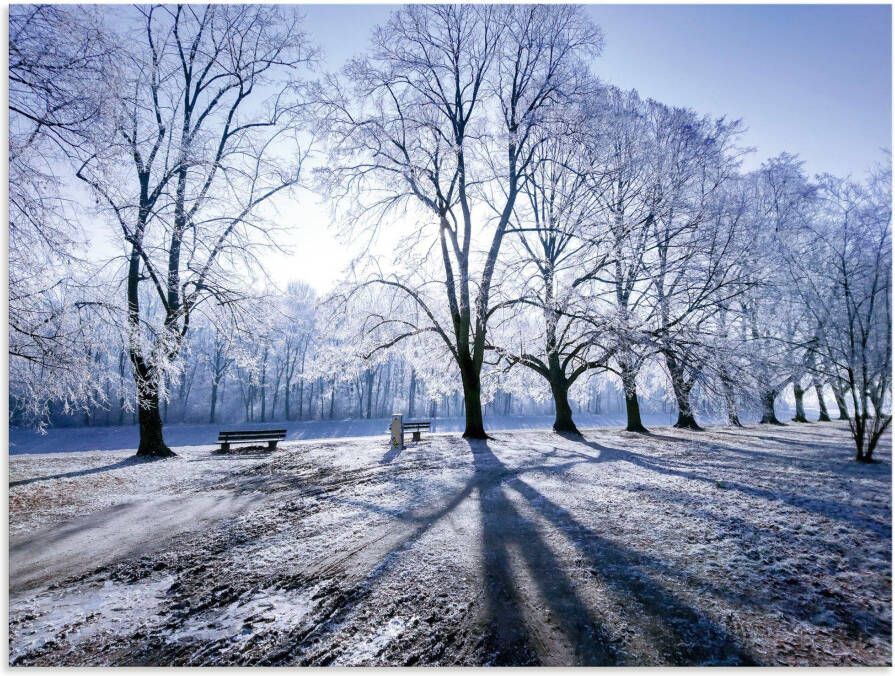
<point>733,547</point>
<point>125,530</point>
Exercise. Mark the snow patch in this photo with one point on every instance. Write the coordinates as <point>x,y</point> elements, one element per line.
<point>265,611</point>
<point>372,646</point>
<point>75,614</point>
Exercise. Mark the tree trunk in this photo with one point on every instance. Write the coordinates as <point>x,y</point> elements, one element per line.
<point>369,380</point>
<point>332,400</point>
<point>839,396</point>
<point>685,417</point>
<point>411,396</point>
<point>472,401</point>
<point>152,441</point>
<point>730,403</point>
<point>214,400</point>
<point>799,393</point>
<point>122,358</point>
<point>632,410</point>
<point>632,403</point>
<point>859,425</point>
<point>562,422</point>
<point>824,413</point>
<point>877,407</point>
<point>164,406</point>
<point>768,416</point>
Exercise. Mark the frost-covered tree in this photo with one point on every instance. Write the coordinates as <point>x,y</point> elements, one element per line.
<point>443,115</point>
<point>849,296</point>
<point>206,120</point>
<point>60,64</point>
<point>780,198</point>
<point>691,256</point>
<point>620,181</point>
<point>547,321</point>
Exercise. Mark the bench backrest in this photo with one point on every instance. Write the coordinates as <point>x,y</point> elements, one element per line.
<point>252,435</point>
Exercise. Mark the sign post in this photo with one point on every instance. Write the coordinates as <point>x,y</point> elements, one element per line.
<point>397,431</point>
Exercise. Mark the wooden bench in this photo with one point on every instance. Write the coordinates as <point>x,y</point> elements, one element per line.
<point>417,427</point>
<point>248,436</point>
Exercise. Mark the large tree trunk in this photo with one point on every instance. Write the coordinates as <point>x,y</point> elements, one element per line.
<point>562,422</point>
<point>632,410</point>
<point>799,393</point>
<point>632,403</point>
<point>768,416</point>
<point>152,440</point>
<point>824,413</point>
<point>472,401</point>
<point>858,426</point>
<point>122,358</point>
<point>685,417</point>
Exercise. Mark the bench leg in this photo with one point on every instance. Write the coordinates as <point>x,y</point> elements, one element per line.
<point>225,447</point>
<point>417,435</point>
<point>272,445</point>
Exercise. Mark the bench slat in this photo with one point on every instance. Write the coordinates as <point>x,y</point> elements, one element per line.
<point>253,432</point>
<point>259,435</point>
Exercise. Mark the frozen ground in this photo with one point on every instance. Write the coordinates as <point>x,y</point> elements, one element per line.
<point>761,545</point>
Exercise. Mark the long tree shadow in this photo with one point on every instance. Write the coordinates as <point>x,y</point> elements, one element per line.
<point>812,444</point>
<point>126,462</point>
<point>680,633</point>
<point>505,532</point>
<point>340,601</point>
<point>511,642</point>
<point>828,508</point>
<point>514,620</point>
<point>684,635</point>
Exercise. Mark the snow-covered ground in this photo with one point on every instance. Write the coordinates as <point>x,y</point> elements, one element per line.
<point>760,545</point>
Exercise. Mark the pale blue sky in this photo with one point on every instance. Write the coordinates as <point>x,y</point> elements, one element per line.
<point>814,80</point>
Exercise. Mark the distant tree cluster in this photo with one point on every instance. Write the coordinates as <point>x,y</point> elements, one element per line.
<point>558,240</point>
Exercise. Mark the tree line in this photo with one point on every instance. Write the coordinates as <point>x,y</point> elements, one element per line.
<point>552,231</point>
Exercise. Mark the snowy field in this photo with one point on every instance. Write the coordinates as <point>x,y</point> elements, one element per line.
<point>753,546</point>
